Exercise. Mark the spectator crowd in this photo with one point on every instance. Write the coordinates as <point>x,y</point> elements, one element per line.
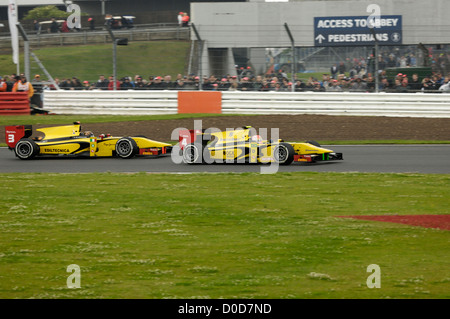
<point>351,75</point>
<point>356,75</point>
<point>269,82</point>
<point>339,82</point>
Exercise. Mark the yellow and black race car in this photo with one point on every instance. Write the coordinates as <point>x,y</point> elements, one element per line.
<point>243,145</point>
<point>69,140</point>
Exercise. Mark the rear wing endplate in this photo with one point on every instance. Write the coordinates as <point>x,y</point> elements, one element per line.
<point>186,137</point>
<point>14,133</point>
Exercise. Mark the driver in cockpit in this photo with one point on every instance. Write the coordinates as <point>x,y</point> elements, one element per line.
<point>87,134</point>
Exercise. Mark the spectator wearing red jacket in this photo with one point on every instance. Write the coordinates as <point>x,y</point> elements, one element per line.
<point>3,85</point>
<point>185,20</point>
<point>65,27</point>
<point>111,84</point>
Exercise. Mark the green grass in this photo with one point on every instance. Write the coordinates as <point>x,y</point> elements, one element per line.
<point>221,235</point>
<point>87,62</point>
<point>67,119</point>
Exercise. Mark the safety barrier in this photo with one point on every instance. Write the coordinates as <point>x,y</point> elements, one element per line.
<point>237,102</point>
<point>339,103</point>
<point>130,102</point>
<point>16,103</point>
<point>199,102</point>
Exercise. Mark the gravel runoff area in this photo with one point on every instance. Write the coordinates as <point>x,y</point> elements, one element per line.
<point>297,127</point>
<point>291,127</point>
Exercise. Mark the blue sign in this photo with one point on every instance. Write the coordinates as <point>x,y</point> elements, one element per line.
<point>346,31</point>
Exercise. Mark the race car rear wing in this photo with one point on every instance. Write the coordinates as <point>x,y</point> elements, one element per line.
<point>186,137</point>
<point>14,133</point>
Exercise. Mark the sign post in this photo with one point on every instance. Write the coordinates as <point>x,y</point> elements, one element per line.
<point>355,31</point>
<point>294,66</point>
<point>13,20</point>
<point>377,75</point>
<point>26,50</point>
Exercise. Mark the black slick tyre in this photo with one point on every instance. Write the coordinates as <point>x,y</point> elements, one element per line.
<point>284,153</point>
<point>126,147</point>
<point>26,149</point>
<point>194,154</point>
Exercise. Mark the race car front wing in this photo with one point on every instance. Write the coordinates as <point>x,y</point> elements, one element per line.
<point>155,150</point>
<point>313,158</point>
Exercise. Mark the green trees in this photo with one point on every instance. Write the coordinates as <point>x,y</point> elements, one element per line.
<point>46,13</point>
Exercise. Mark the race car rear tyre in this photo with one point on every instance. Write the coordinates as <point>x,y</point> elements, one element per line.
<point>26,149</point>
<point>126,147</point>
<point>284,153</point>
<point>194,154</point>
<point>314,143</point>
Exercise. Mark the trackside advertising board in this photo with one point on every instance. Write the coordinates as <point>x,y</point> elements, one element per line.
<point>353,31</point>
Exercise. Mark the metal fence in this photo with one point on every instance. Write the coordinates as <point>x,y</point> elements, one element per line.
<point>243,69</point>
<point>150,32</point>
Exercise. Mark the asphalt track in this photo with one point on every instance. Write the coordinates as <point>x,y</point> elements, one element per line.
<point>357,158</point>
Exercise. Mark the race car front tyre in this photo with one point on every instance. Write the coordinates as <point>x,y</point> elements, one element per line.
<point>284,153</point>
<point>26,149</point>
<point>194,154</point>
<point>126,147</point>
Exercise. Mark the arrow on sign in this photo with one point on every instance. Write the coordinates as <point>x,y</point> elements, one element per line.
<point>320,38</point>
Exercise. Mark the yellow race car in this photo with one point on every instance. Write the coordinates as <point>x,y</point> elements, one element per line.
<point>70,140</point>
<point>243,145</point>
